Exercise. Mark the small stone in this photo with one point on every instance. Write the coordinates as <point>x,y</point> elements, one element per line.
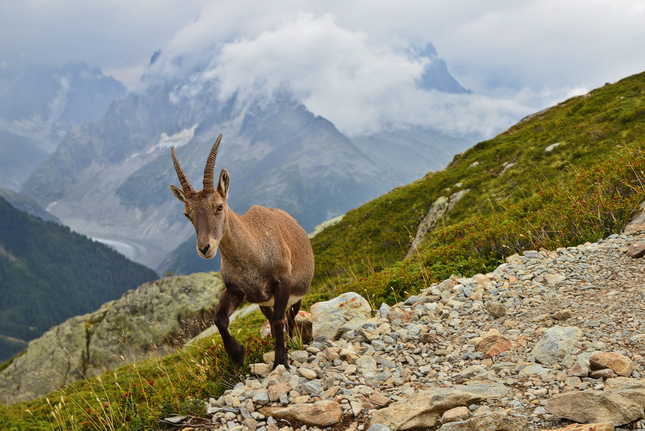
<point>495,309</point>
<point>277,390</point>
<point>580,369</point>
<point>554,279</point>
<point>251,424</point>
<point>621,364</point>
<point>307,373</point>
<point>320,413</point>
<point>299,356</point>
<point>357,407</point>
<point>455,414</point>
<point>269,357</point>
<point>502,345</point>
<point>605,373</point>
<point>260,370</point>
<point>176,419</point>
<point>379,399</point>
<point>261,397</point>
<point>618,407</point>
<point>636,250</point>
<point>562,314</point>
<point>487,340</point>
<point>329,317</point>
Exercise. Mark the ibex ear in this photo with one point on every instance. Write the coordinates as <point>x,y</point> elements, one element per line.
<point>179,194</point>
<point>224,183</point>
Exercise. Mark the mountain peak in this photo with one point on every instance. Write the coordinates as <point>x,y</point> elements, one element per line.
<point>429,51</point>
<point>436,75</point>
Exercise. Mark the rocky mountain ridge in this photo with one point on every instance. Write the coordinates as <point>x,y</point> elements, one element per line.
<point>145,322</point>
<point>547,338</point>
<point>109,179</point>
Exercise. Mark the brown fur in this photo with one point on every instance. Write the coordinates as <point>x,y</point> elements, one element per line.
<point>266,255</point>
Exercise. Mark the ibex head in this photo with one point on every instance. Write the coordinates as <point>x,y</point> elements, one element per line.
<point>207,208</point>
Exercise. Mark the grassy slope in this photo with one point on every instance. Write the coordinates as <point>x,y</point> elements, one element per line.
<point>586,187</point>
<point>599,126</point>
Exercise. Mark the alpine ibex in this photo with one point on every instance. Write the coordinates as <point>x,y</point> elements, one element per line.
<point>266,255</point>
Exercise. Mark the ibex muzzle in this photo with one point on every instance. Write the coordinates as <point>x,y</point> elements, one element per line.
<point>266,255</point>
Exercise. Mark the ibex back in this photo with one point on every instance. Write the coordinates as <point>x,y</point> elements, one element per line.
<point>266,255</point>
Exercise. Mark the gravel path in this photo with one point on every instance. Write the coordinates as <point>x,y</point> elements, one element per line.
<point>465,334</point>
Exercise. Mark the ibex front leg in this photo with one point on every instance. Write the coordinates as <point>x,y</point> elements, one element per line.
<point>278,320</point>
<point>228,303</point>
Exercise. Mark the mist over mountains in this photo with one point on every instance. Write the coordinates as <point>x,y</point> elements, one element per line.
<point>39,104</point>
<point>108,179</point>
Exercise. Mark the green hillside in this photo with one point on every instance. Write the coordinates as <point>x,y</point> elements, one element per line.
<point>579,155</point>
<point>48,274</point>
<point>525,193</point>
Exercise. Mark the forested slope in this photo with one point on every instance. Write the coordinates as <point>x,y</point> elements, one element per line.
<point>48,273</point>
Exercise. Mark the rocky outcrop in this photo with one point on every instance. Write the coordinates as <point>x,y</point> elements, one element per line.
<point>153,319</point>
<point>438,209</point>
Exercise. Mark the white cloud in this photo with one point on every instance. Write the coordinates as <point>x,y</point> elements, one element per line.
<point>343,76</point>
<point>350,61</point>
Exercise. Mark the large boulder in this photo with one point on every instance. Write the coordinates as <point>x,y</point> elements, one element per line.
<point>153,319</point>
<point>331,318</point>
<point>556,343</point>
<point>424,408</point>
<point>619,407</point>
<point>321,413</point>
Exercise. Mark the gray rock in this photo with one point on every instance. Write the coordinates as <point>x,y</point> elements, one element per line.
<point>366,365</point>
<point>329,317</point>
<point>495,309</point>
<point>261,397</point>
<point>383,310</point>
<point>556,343</point>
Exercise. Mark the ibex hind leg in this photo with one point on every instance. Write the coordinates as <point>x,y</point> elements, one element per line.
<point>228,303</point>
<point>291,318</point>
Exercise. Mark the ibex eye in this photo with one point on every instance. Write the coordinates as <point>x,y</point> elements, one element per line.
<point>220,207</point>
<point>187,216</point>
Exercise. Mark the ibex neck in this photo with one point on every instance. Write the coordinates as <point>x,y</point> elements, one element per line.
<point>237,241</point>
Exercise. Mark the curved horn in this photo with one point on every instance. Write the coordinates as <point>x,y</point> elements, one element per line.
<point>183,180</point>
<point>209,183</point>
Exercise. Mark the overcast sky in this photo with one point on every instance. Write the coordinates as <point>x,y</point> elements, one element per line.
<point>353,62</point>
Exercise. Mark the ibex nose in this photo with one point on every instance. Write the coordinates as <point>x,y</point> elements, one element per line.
<point>205,248</point>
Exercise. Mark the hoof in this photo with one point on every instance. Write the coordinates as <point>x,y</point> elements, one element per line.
<point>281,360</point>
<point>237,354</point>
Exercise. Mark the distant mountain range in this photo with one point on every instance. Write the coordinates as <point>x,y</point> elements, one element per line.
<point>109,178</point>
<point>39,105</point>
